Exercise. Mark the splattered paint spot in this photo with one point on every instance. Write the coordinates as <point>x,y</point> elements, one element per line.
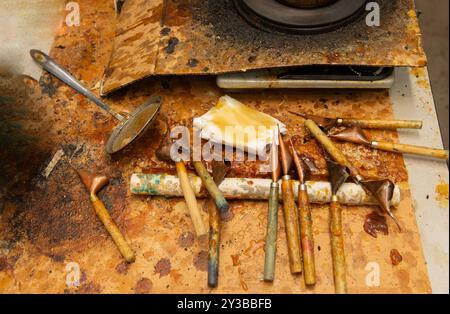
<point>173,42</point>
<point>442,194</point>
<point>235,259</point>
<point>375,224</point>
<point>122,268</point>
<point>163,267</point>
<point>192,63</point>
<point>396,257</point>
<point>201,261</point>
<point>143,286</point>
<point>186,240</point>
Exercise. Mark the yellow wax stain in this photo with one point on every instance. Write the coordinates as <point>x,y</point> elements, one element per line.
<point>442,194</point>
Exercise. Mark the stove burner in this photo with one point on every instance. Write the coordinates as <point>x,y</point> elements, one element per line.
<point>270,15</point>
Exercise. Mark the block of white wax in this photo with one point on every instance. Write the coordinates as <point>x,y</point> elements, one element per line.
<point>234,124</point>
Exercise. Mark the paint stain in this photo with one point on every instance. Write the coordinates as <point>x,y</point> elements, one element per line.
<point>442,194</point>
<point>375,224</point>
<point>186,240</point>
<point>244,285</point>
<point>396,257</point>
<point>201,261</point>
<point>163,267</point>
<point>143,286</point>
<point>122,268</point>
<point>173,42</point>
<point>253,247</point>
<point>235,259</point>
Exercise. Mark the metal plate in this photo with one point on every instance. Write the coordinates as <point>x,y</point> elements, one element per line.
<point>211,37</point>
<point>279,13</point>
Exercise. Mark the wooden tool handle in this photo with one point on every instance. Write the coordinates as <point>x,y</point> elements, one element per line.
<point>113,230</point>
<point>214,244</point>
<point>337,249</point>
<point>383,124</point>
<point>191,200</point>
<point>272,229</point>
<point>292,228</point>
<point>410,149</point>
<point>212,188</point>
<point>330,147</point>
<point>306,236</point>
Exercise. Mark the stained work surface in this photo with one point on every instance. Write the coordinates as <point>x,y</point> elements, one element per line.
<point>209,37</point>
<point>48,228</point>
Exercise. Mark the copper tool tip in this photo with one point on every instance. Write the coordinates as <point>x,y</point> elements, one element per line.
<point>94,183</point>
<point>298,163</point>
<point>352,134</point>
<point>286,159</point>
<point>299,114</point>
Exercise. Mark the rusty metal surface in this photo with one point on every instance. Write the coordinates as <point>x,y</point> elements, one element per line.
<point>45,224</point>
<point>209,37</point>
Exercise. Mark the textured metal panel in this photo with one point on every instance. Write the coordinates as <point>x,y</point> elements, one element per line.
<point>209,37</point>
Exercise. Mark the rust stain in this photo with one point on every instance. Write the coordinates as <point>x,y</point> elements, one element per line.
<point>375,224</point>
<point>163,267</point>
<point>396,257</point>
<point>201,261</point>
<point>143,286</point>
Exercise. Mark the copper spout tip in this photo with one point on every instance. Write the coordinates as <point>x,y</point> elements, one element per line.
<point>298,163</point>
<point>286,159</point>
<point>94,183</point>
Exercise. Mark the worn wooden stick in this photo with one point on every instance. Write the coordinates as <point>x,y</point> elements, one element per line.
<point>191,200</point>
<point>306,236</point>
<point>337,247</point>
<point>411,149</point>
<point>305,222</point>
<point>330,147</point>
<point>381,124</point>
<point>290,212</point>
<point>291,225</point>
<point>214,244</point>
<point>363,123</point>
<point>94,184</point>
<point>212,188</point>
<point>272,216</point>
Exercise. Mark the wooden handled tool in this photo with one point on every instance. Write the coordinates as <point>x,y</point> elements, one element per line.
<point>328,123</point>
<point>191,200</point>
<point>411,149</point>
<point>163,153</point>
<point>356,135</point>
<point>305,221</point>
<point>212,188</point>
<point>94,184</point>
<point>272,216</point>
<point>381,190</point>
<point>290,213</point>
<point>338,175</point>
<point>337,247</point>
<point>219,172</point>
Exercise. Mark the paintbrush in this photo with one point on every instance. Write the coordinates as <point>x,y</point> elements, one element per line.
<point>337,177</point>
<point>94,183</point>
<point>381,190</point>
<point>220,169</point>
<point>272,216</point>
<point>212,189</point>
<point>356,135</point>
<point>305,221</point>
<point>290,211</point>
<point>328,123</point>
